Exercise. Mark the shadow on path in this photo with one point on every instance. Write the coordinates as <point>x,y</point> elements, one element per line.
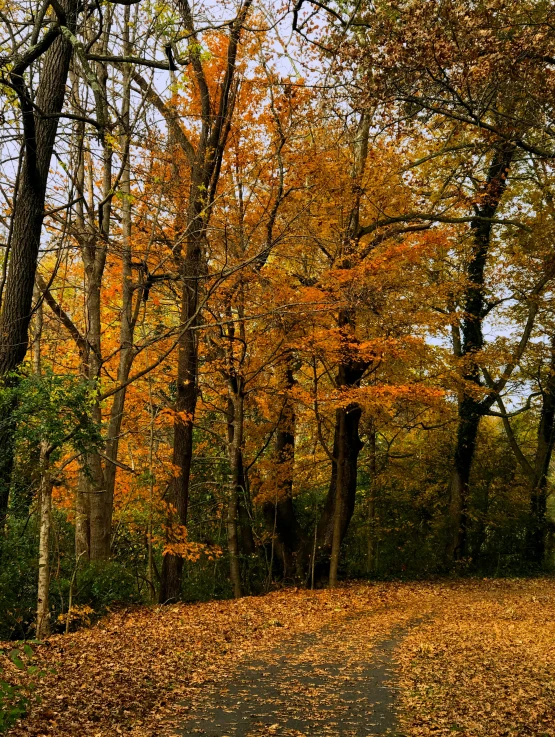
<point>333,682</point>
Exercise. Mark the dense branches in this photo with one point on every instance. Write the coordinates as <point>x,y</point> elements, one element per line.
<point>296,327</point>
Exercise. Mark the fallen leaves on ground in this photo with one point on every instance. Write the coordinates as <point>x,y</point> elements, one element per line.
<point>484,665</point>
<point>478,659</point>
<point>127,672</point>
<point>333,681</point>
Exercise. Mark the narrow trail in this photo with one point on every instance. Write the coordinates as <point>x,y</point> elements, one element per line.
<point>336,681</point>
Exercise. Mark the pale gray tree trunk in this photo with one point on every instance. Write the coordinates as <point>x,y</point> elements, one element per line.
<point>45,506</point>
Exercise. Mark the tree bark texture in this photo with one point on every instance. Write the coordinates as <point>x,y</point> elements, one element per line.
<point>474,305</point>
<point>235,490</point>
<point>185,405</point>
<point>346,446</point>
<point>537,532</point>
<point>372,547</point>
<point>205,162</point>
<point>16,300</point>
<point>338,514</point>
<point>45,504</point>
<point>280,515</point>
<point>40,135</point>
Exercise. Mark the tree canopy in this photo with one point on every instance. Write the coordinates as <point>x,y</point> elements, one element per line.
<point>276,297</point>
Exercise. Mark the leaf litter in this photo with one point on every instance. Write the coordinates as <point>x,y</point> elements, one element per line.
<point>472,658</point>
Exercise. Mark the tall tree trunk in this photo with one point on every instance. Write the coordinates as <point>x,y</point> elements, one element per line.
<point>280,515</point>
<point>340,503</point>
<point>40,134</point>
<point>95,479</point>
<point>205,163</point>
<point>346,446</point>
<point>95,493</point>
<point>16,299</point>
<point>185,405</point>
<point>129,309</point>
<point>236,406</point>
<point>95,263</point>
<point>338,507</point>
<point>82,495</point>
<point>537,532</point>
<point>239,531</point>
<point>45,506</point>
<point>474,304</point>
<point>94,250</point>
<point>372,547</point>
<point>467,432</point>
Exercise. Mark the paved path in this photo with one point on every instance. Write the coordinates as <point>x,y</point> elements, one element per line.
<point>334,682</point>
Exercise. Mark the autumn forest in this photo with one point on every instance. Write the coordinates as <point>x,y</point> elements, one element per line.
<point>277,301</point>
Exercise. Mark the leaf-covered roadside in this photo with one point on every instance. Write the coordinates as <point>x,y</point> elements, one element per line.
<point>484,665</point>
<point>120,676</point>
<point>477,659</point>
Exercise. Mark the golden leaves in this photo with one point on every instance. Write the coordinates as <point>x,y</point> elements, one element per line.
<point>483,664</point>
<point>462,667</point>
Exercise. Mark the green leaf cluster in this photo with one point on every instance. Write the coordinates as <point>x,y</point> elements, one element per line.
<point>50,408</point>
<point>15,698</point>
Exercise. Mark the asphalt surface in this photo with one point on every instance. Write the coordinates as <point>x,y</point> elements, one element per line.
<point>330,683</point>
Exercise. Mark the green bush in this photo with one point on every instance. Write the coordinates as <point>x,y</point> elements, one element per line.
<point>18,580</point>
<point>105,584</point>
<point>15,698</point>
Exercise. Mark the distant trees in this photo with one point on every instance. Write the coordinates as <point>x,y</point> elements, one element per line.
<point>303,315</point>
<point>471,75</point>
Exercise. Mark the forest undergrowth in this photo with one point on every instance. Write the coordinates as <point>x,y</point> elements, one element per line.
<point>479,661</point>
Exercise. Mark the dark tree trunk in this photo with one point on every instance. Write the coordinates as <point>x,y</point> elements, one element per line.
<point>347,445</point>
<point>298,546</point>
<point>338,511</point>
<point>280,515</point>
<point>346,449</point>
<point>170,583</point>
<point>340,501</point>
<point>205,162</point>
<point>474,304</point>
<point>467,432</point>
<point>235,433</point>
<point>537,532</point>
<point>186,400</point>
<point>16,300</point>
<point>372,547</point>
<point>29,206</point>
<point>178,493</point>
<point>178,497</point>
